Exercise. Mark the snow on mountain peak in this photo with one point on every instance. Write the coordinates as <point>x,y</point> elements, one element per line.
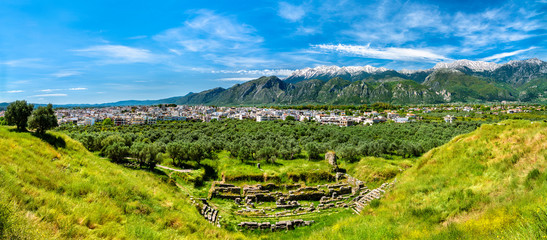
<point>335,71</point>
<point>479,66</point>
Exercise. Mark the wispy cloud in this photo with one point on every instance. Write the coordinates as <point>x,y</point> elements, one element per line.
<point>15,91</point>
<point>119,54</point>
<point>291,12</point>
<point>391,53</point>
<point>77,89</point>
<point>24,63</point>
<point>49,90</point>
<point>506,54</point>
<point>237,79</point>
<point>210,37</point>
<point>209,31</point>
<point>51,95</point>
<point>66,73</point>
<point>263,72</point>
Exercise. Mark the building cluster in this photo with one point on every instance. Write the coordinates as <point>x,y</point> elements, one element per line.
<point>139,115</point>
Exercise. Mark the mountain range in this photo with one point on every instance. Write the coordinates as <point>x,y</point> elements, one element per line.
<point>459,81</point>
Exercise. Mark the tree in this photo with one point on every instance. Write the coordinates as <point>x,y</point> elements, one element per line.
<point>178,151</point>
<point>348,152</point>
<point>43,119</point>
<point>108,122</point>
<point>3,121</point>
<point>18,113</point>
<point>147,154</point>
<point>116,151</point>
<point>313,150</point>
<point>109,141</point>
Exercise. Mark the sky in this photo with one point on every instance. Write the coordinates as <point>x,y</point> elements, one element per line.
<point>101,51</point>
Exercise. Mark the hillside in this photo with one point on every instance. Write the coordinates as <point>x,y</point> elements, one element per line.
<point>488,184</point>
<point>62,191</point>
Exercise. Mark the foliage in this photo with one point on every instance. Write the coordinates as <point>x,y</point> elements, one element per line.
<point>146,154</point>
<point>107,122</point>
<point>69,193</point>
<point>43,119</point>
<point>249,140</point>
<point>18,113</point>
<point>116,151</point>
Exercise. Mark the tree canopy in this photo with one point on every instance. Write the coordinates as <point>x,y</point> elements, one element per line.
<point>43,119</point>
<point>18,113</point>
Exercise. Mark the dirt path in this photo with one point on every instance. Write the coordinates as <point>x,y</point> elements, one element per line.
<point>173,169</point>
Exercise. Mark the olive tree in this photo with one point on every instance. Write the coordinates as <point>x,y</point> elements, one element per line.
<point>18,113</point>
<point>43,119</point>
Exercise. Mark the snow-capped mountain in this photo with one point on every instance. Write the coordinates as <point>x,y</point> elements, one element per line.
<point>328,72</point>
<point>513,71</point>
<point>335,71</point>
<point>478,66</point>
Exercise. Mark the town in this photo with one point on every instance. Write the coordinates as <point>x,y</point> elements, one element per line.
<point>140,115</point>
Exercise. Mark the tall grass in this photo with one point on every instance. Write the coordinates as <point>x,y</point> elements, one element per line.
<point>67,192</point>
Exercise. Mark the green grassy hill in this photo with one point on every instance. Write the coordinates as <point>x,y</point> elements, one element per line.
<point>488,184</point>
<point>65,192</point>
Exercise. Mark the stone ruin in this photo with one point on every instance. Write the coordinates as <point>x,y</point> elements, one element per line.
<point>209,213</point>
<point>365,197</point>
<point>281,225</point>
<point>347,192</point>
<point>331,159</point>
<point>223,190</point>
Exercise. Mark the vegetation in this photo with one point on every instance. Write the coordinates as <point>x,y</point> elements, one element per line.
<point>69,193</point>
<point>189,142</point>
<point>489,184</point>
<point>43,119</point>
<point>17,114</point>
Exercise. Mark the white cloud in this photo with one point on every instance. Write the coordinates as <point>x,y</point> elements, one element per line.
<point>77,89</point>
<point>211,37</point>
<point>66,73</point>
<point>391,53</point>
<point>209,31</point>
<point>291,12</point>
<point>506,54</point>
<point>15,91</point>
<point>49,90</point>
<point>175,51</point>
<point>24,63</point>
<point>51,95</point>
<point>119,54</point>
<point>239,61</point>
<point>237,79</point>
<point>263,72</point>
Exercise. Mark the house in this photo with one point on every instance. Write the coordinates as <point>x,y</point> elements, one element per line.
<point>449,119</point>
<point>401,120</point>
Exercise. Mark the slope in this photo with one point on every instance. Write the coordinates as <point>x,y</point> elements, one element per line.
<point>54,188</point>
<point>488,184</point>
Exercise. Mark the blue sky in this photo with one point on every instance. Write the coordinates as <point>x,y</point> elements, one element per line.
<point>103,51</point>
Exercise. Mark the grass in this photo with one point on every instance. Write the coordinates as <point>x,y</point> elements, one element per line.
<point>488,184</point>
<point>50,191</point>
<point>481,185</point>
